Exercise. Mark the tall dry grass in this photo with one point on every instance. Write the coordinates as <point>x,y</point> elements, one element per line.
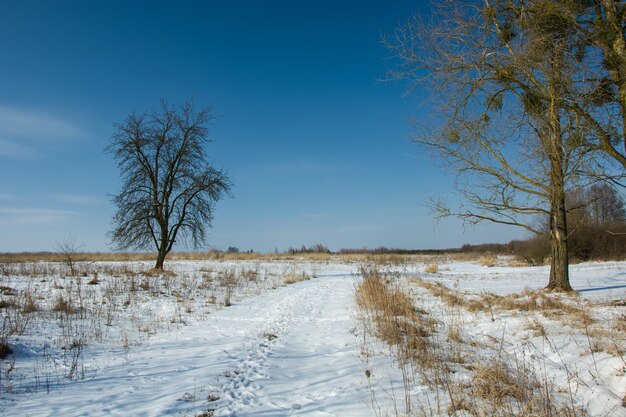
<point>572,310</point>
<point>462,379</point>
<point>371,258</point>
<point>392,316</point>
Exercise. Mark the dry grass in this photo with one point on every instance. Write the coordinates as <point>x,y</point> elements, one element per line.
<point>394,317</point>
<point>433,354</point>
<point>388,258</point>
<point>294,278</point>
<point>153,272</point>
<point>619,323</point>
<point>608,336</point>
<point>488,260</point>
<point>94,279</point>
<point>30,305</point>
<point>377,259</point>
<point>455,334</point>
<point>505,387</point>
<point>432,269</point>
<point>495,381</point>
<point>62,305</point>
<point>449,296</point>
<point>554,306</point>
<point>115,303</point>
<point>229,280</point>
<point>23,257</point>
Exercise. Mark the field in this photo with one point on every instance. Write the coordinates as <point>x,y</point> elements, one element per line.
<point>317,335</point>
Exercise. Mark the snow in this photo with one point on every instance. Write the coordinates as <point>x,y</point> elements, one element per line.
<point>294,350</point>
<point>610,277</point>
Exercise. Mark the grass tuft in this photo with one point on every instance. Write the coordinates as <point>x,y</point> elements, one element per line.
<point>62,305</point>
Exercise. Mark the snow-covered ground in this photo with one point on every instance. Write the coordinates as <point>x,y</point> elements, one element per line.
<point>584,363</point>
<point>138,345</point>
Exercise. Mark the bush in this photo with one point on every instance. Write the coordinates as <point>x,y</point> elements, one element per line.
<point>63,305</point>
<point>598,242</point>
<point>535,251</point>
<point>5,350</point>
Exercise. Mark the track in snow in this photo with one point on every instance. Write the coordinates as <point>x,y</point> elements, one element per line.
<point>290,351</point>
<point>305,359</point>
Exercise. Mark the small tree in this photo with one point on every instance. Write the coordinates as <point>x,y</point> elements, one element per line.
<point>68,251</point>
<point>169,188</point>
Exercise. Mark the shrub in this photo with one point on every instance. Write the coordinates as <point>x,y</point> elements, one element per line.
<point>293,278</point>
<point>598,242</point>
<point>534,251</point>
<point>63,306</point>
<point>5,350</point>
<point>30,306</point>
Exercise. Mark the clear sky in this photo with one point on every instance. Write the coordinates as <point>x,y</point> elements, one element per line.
<point>318,148</point>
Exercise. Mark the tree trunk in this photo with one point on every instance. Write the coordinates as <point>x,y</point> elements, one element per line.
<point>160,259</point>
<point>163,246</point>
<point>559,266</point>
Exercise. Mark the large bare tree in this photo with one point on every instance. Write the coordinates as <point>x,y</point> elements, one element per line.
<point>169,187</point>
<point>506,72</point>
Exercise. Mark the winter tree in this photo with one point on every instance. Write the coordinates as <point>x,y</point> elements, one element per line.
<point>169,187</point>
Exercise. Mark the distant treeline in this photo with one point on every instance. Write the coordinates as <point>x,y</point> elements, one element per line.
<point>318,248</point>
<point>597,231</point>
<point>383,250</point>
<point>586,242</point>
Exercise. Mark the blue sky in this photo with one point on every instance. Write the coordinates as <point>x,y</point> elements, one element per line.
<point>318,148</point>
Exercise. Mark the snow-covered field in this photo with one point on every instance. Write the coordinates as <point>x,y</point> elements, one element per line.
<point>126,343</point>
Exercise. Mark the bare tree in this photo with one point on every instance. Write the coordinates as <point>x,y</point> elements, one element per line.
<point>604,205</point>
<point>68,250</point>
<point>505,71</point>
<point>169,188</point>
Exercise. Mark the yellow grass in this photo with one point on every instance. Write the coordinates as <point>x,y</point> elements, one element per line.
<point>382,259</point>
<point>428,353</point>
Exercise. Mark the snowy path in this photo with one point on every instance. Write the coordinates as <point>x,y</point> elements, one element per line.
<point>287,352</point>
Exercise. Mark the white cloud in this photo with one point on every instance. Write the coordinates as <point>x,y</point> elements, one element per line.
<point>8,197</point>
<point>32,124</point>
<point>21,129</point>
<point>30,216</point>
<point>77,199</point>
